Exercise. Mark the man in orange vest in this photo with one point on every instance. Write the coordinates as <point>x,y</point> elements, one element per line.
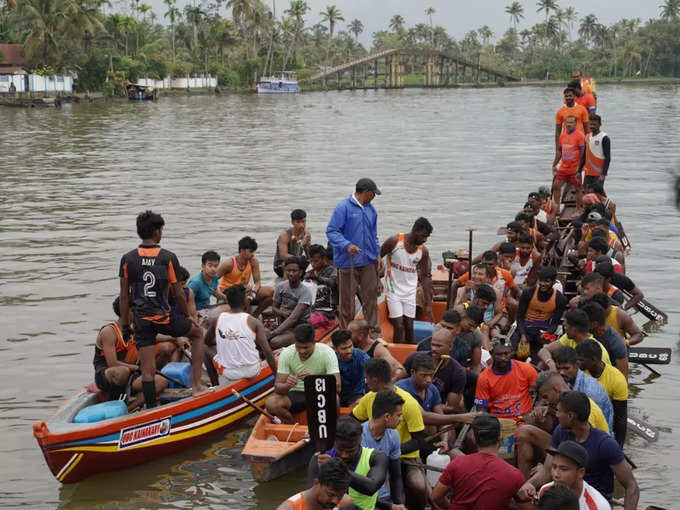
<point>597,156</point>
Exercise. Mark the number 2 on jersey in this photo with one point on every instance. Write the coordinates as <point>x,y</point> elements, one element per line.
<point>150,280</point>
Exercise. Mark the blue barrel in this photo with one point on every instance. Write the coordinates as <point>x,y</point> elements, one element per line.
<point>103,411</point>
<point>180,371</point>
<point>422,329</point>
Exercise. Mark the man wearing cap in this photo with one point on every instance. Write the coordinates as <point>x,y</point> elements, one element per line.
<point>482,479</point>
<point>605,458</point>
<point>353,233</point>
<point>569,461</point>
<point>612,279</point>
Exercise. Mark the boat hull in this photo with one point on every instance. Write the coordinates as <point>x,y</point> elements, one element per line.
<point>75,451</point>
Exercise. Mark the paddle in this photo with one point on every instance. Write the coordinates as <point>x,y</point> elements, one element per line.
<point>252,404</point>
<point>322,410</point>
<point>650,355</point>
<point>643,429</point>
<point>171,379</point>
<point>648,310</point>
<point>470,230</point>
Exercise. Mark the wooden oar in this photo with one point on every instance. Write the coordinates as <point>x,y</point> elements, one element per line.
<point>445,357</point>
<point>650,355</point>
<point>643,429</point>
<point>508,427</point>
<point>252,404</point>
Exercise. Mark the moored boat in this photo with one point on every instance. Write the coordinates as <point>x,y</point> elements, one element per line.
<point>283,82</point>
<point>74,451</point>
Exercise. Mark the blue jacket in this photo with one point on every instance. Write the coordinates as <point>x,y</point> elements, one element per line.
<point>351,224</point>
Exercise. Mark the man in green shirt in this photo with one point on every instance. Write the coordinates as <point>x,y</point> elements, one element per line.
<point>305,357</point>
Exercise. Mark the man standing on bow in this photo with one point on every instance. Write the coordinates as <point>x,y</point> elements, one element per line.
<point>353,233</point>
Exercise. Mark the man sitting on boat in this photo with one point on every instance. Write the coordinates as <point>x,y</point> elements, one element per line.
<point>605,458</point>
<point>411,429</point>
<point>622,323</point>
<point>360,330</point>
<point>617,281</point>
<point>293,242</point>
<point>305,357</point>
<point>367,467</point>
<point>481,479</point>
<point>328,491</point>
<point>607,336</point>
<point>114,362</point>
<point>292,303</point>
<point>237,336</point>
<point>205,284</point>
<point>324,278</point>
<point>408,264</point>
<point>351,362</point>
<point>380,434</point>
<point>239,269</point>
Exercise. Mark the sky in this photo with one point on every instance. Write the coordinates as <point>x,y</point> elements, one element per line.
<point>457,16</point>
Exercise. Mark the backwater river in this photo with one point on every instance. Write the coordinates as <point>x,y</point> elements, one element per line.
<point>221,167</point>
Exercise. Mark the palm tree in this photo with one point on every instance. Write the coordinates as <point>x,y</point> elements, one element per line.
<point>547,6</point>
<point>588,28</point>
<point>297,11</point>
<point>143,9</point>
<point>516,12</point>
<point>570,16</point>
<point>397,23</point>
<point>429,12</point>
<point>173,13</point>
<point>486,34</point>
<point>331,16</point>
<point>242,12</point>
<point>670,10</point>
<point>356,27</point>
<point>194,16</point>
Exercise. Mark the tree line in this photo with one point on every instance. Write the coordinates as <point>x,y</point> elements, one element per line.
<point>105,42</point>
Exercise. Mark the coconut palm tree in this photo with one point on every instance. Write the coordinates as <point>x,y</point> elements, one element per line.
<point>486,34</point>
<point>194,16</point>
<point>588,28</point>
<point>670,10</point>
<point>570,16</point>
<point>173,14</point>
<point>396,23</point>
<point>516,12</point>
<point>356,27</point>
<point>331,16</point>
<point>297,11</point>
<point>548,6</point>
<point>429,12</point>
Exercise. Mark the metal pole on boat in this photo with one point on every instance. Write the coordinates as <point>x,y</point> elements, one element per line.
<point>470,230</point>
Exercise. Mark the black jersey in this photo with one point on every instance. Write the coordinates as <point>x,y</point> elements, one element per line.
<point>150,270</point>
<point>122,349</point>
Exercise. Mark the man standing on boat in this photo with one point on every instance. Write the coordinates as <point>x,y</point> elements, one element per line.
<point>408,263</point>
<point>293,242</point>
<point>146,273</point>
<point>597,157</point>
<point>353,233</point>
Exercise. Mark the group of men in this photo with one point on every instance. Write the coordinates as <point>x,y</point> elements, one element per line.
<point>567,443</point>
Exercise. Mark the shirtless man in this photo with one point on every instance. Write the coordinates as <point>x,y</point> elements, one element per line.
<point>293,242</point>
<point>360,331</point>
<point>238,270</point>
<point>146,274</point>
<point>408,263</point>
<point>526,263</point>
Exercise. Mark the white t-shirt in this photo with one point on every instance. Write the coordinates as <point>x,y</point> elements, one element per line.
<point>590,498</point>
<point>235,341</point>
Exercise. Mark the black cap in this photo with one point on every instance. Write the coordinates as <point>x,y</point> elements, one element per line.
<point>515,226</point>
<point>534,194</point>
<point>571,450</point>
<point>487,422</point>
<point>366,184</point>
<point>544,191</point>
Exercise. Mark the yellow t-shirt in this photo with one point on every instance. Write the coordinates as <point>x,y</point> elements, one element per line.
<point>614,383</point>
<point>596,417</point>
<point>564,340</point>
<point>411,418</point>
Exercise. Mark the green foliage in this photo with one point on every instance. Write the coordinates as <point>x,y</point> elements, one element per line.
<point>157,69</point>
<point>92,73</point>
<point>133,69</point>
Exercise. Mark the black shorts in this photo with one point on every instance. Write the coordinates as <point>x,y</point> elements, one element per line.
<point>589,180</point>
<point>112,391</point>
<point>297,401</point>
<point>146,331</point>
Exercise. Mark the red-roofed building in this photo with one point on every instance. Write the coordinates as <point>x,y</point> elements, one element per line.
<point>11,59</point>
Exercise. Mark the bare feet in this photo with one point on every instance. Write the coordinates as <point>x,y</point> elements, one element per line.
<point>199,390</point>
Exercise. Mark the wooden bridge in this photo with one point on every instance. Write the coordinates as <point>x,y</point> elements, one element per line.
<point>386,69</point>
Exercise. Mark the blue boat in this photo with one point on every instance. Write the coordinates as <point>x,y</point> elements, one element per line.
<point>283,82</point>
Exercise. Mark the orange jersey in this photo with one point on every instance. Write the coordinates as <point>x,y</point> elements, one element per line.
<point>572,146</point>
<point>577,111</point>
<point>506,395</point>
<point>236,276</point>
<point>587,101</point>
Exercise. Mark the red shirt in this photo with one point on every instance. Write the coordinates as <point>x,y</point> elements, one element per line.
<point>572,146</point>
<point>587,101</point>
<point>481,481</point>
<point>506,395</point>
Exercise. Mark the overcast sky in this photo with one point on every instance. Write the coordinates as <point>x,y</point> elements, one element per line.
<point>457,16</point>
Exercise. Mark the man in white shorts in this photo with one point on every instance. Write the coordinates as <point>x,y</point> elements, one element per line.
<point>237,335</point>
<point>408,262</point>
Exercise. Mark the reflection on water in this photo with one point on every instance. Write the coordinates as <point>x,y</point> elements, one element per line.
<point>219,168</point>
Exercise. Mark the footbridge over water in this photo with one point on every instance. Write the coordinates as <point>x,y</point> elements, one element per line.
<point>386,69</point>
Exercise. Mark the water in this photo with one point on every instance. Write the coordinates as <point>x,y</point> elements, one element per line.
<point>219,168</point>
